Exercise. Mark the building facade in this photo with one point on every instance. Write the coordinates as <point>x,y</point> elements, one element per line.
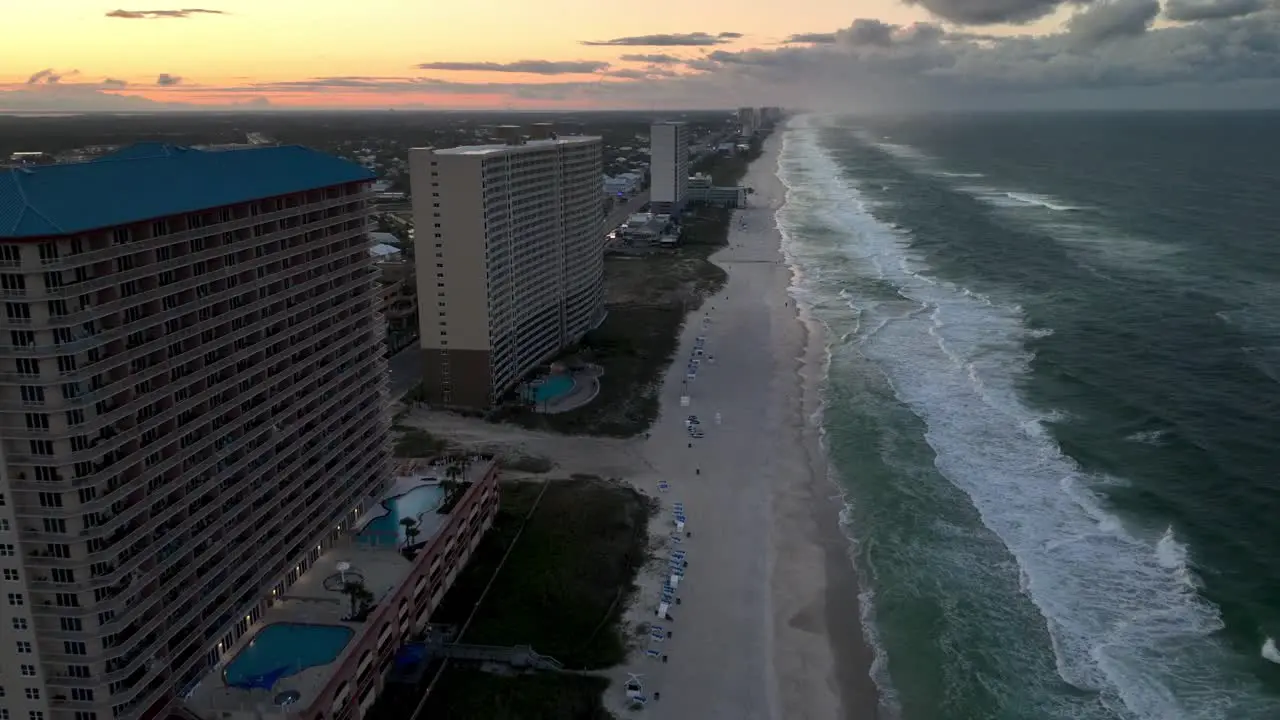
<point>668,166</point>
<point>510,259</point>
<point>748,121</point>
<point>192,397</point>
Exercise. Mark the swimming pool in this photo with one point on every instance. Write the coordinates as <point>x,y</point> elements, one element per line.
<point>386,529</point>
<point>552,387</point>
<point>283,649</point>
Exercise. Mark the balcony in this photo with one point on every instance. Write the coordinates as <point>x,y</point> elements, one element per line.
<point>36,558</point>
<point>114,307</point>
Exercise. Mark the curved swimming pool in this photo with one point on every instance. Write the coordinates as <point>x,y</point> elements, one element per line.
<point>552,387</point>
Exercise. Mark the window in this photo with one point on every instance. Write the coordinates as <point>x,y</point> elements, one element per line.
<point>4,525</point>
<point>6,550</point>
<point>35,714</point>
<point>28,366</point>
<point>82,694</point>
<point>31,693</point>
<point>19,623</point>
<point>86,715</point>
<point>80,671</point>
<point>67,599</point>
<point>50,500</point>
<point>37,421</point>
<point>74,647</point>
<point>16,599</point>
<point>11,575</point>
<point>32,394</point>
<point>24,647</point>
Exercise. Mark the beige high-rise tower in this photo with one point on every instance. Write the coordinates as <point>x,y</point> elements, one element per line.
<point>510,256</point>
<point>192,400</point>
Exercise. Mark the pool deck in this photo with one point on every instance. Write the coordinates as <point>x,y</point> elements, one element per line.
<point>586,385</point>
<point>307,601</point>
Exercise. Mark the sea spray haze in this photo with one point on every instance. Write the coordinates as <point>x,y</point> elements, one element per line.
<point>1054,402</point>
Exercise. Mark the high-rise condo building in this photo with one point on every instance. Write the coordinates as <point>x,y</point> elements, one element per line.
<point>510,254</point>
<point>748,120</point>
<point>192,401</point>
<point>668,166</point>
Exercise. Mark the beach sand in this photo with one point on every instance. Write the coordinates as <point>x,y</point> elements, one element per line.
<point>767,624</point>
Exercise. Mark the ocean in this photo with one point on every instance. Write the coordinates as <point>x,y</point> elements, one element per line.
<point>1053,403</point>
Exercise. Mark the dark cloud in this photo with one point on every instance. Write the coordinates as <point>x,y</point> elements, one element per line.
<point>868,32</point>
<point>989,12</point>
<point>811,39</point>
<point>1196,10</point>
<point>167,80</point>
<point>1111,19</point>
<point>694,39</point>
<point>114,83</point>
<point>529,67</point>
<point>654,59</point>
<point>47,76</point>
<point>921,66</point>
<point>645,74</point>
<point>161,14</point>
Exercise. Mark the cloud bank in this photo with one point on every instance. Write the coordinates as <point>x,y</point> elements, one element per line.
<point>1108,53</point>
<point>161,14</point>
<point>694,39</point>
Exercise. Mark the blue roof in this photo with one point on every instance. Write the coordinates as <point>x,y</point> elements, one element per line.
<point>153,180</point>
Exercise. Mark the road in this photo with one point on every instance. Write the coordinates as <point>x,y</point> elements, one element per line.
<point>622,212</point>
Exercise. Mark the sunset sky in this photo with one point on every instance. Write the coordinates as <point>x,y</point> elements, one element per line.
<point>82,54</point>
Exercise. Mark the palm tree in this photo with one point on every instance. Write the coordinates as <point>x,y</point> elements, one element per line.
<point>453,472</point>
<point>359,596</point>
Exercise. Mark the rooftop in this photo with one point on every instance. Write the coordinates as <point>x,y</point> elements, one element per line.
<point>309,601</point>
<point>154,180</point>
<point>499,148</point>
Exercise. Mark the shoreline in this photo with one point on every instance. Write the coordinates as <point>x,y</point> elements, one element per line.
<point>850,659</point>
<point>767,623</point>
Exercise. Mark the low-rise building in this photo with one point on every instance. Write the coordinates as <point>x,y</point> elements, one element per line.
<point>701,190</point>
<point>322,645</point>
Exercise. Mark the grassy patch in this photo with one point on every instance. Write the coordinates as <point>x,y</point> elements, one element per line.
<point>567,580</point>
<point>528,464</point>
<point>465,694</point>
<point>415,443</point>
<point>634,345</point>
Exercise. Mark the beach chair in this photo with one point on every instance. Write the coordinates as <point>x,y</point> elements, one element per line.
<point>677,539</point>
<point>655,654</point>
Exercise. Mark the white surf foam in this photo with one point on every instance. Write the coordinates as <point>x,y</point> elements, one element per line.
<point>1269,651</point>
<point>1118,607</point>
<point>1148,437</point>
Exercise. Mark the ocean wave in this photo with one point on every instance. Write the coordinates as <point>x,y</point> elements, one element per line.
<point>1121,610</point>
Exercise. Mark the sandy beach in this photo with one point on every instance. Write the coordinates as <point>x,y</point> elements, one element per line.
<point>766,622</point>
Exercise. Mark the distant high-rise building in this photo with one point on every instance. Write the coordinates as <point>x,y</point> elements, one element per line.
<point>192,398</point>
<point>748,120</point>
<point>668,166</point>
<point>510,255</point>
